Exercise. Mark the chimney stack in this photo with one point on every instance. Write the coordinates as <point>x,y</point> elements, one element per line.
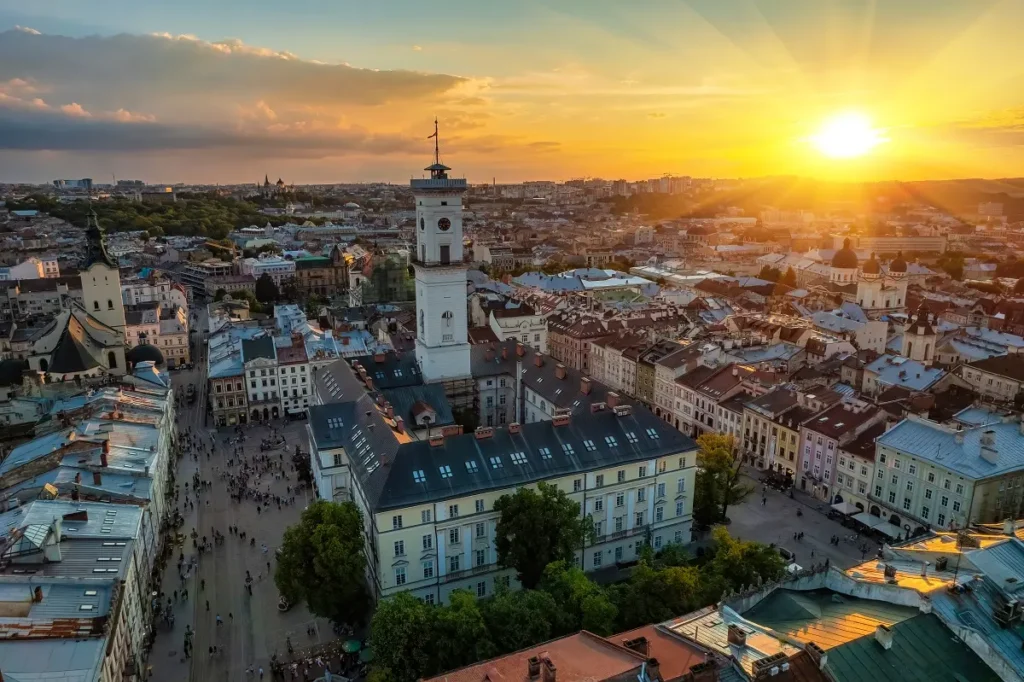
<point>653,669</point>
<point>533,667</point>
<point>704,672</point>
<point>585,385</point>
<point>638,644</point>
<point>390,410</point>
<point>612,399</point>
<point>378,358</point>
<point>483,432</point>
<point>105,454</point>
<point>520,350</point>
<point>97,479</point>
<point>817,654</point>
<point>504,353</point>
<point>489,355</point>
<point>549,671</point>
<point>883,635</point>
<point>37,594</point>
<point>559,371</point>
<point>513,427</point>
<point>437,441</point>
<point>538,360</point>
<point>737,636</point>
<point>399,425</point>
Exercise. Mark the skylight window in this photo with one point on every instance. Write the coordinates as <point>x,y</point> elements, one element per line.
<point>545,453</point>
<point>653,434</point>
<point>610,440</point>
<point>518,458</point>
<point>567,448</point>
<point>471,467</point>
<point>86,607</point>
<point>496,463</point>
<point>90,593</point>
<point>631,437</point>
<point>419,476</point>
<point>379,375</point>
<point>446,471</point>
<point>589,445</point>
<point>540,380</point>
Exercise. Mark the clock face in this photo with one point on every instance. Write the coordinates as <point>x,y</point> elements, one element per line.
<point>444,224</point>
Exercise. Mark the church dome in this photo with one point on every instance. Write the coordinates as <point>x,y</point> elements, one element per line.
<point>145,352</point>
<point>871,266</point>
<point>845,258</point>
<point>899,265</point>
<point>11,371</point>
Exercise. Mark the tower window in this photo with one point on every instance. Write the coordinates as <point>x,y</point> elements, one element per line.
<point>110,304</point>
<point>95,305</point>
<point>423,223</point>
<point>112,360</point>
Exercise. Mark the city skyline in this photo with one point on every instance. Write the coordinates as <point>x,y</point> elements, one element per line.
<point>318,93</point>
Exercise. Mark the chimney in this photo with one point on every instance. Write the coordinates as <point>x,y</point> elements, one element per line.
<point>561,420</point>
<point>97,479</point>
<point>533,667</point>
<point>737,636</point>
<point>735,371</point>
<point>704,672</point>
<point>612,399</point>
<point>538,360</point>
<point>344,340</point>
<point>520,350</point>
<point>585,385</point>
<point>883,635</point>
<point>597,407</point>
<point>483,432</point>
<point>513,427</point>
<point>369,384</point>
<point>437,441</point>
<point>769,667</point>
<point>653,670</point>
<point>78,477</point>
<point>104,461</point>
<point>489,355</point>
<point>559,371</point>
<point>37,594</point>
<point>549,671</point>
<point>623,410</point>
<point>504,353</point>
<point>988,447</point>
<point>390,410</point>
<point>1009,527</point>
<point>817,654</point>
<point>399,425</point>
<point>378,358</point>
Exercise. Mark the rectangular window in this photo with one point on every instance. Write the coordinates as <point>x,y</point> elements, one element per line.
<point>878,491</point>
<point>639,518</point>
<point>679,508</point>
<point>912,469</point>
<point>453,511</point>
<point>659,514</point>
<point>471,466</point>
<point>618,524</point>
<point>428,569</point>
<point>941,519</point>
<point>496,463</point>
<point>481,557</point>
<point>518,458</point>
<point>642,472</point>
<point>618,554</point>
<point>959,488</point>
<point>481,588</point>
<point>589,445</point>
<point>681,485</point>
<point>479,504</point>
<point>610,441</point>
<point>577,485</point>
<point>400,575</point>
<point>925,512</point>
<point>661,490</point>
<point>597,558</point>
<point>425,516</point>
<point>910,486</point>
<point>453,536</point>
<point>481,529</point>
<point>418,476</point>
<point>599,504</point>
<point>944,501</point>
<point>620,500</point>
<point>400,548</point>
<point>931,477</point>
<point>568,449</point>
<point>454,563</point>
<point>446,471</point>
<point>956,506</point>
<point>892,497</point>
<point>599,480</point>
<point>428,542</point>
<point>906,503</point>
<point>396,522</point>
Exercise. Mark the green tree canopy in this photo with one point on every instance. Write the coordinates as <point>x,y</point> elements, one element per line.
<point>582,603</point>
<point>537,527</point>
<point>653,596</point>
<point>322,563</point>
<point>769,273</point>
<point>789,279</point>
<point>739,563</point>
<point>266,289</point>
<point>517,619</point>
<point>718,478</point>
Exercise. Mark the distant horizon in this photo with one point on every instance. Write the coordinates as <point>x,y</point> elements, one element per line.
<point>342,92</point>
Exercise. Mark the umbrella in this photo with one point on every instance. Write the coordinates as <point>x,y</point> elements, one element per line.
<point>351,646</point>
<point>366,655</point>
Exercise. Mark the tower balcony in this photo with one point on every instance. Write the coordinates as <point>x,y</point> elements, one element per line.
<point>444,184</point>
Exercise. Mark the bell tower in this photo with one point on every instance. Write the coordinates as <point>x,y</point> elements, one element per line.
<point>442,337</point>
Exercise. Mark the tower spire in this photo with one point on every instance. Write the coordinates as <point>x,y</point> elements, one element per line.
<point>437,142</point>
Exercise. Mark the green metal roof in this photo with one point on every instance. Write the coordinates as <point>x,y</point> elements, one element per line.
<point>923,650</point>
<point>312,262</point>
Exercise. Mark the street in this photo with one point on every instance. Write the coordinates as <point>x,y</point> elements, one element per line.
<point>777,521</point>
<point>252,628</point>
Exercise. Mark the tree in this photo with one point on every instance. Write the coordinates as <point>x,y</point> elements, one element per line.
<point>402,636</point>
<point>738,564</point>
<point>789,279</point>
<point>720,469</point>
<point>653,596</point>
<point>266,289</point>
<point>219,296</point>
<point>769,273</point>
<point>459,633</point>
<point>517,619</point>
<point>582,603</point>
<point>322,563</point>
<point>537,527</point>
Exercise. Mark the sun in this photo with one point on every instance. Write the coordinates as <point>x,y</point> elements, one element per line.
<point>845,136</point>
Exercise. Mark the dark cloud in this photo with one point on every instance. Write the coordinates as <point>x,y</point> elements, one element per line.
<point>55,130</point>
<point>151,73</point>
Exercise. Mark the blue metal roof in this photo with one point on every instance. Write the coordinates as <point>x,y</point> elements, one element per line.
<point>895,370</point>
<point>938,444</point>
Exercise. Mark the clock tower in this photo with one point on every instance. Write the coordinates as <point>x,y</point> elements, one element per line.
<point>442,343</point>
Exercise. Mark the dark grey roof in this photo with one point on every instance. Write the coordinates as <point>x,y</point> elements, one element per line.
<point>480,366</point>
<point>260,347</point>
<point>145,352</point>
<point>133,317</point>
<point>394,476</point>
<point>11,371</point>
<point>405,398</point>
<point>396,369</point>
<point>337,382</point>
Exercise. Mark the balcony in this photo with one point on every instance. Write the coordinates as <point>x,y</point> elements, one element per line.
<point>466,573</point>
<point>451,184</point>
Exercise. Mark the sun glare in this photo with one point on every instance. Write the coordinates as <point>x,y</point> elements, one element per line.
<point>846,136</point>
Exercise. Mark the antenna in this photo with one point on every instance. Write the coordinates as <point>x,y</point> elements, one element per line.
<point>437,149</point>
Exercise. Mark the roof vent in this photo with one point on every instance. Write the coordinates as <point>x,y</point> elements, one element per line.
<point>883,635</point>
<point>561,420</point>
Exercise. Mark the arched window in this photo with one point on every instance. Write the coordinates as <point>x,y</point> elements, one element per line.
<point>423,224</point>
<point>447,316</point>
<point>910,349</point>
<point>927,349</point>
<point>112,360</point>
<point>43,365</point>
<point>95,305</point>
<point>110,304</point>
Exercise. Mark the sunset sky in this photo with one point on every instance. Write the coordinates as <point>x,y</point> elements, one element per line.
<point>334,91</point>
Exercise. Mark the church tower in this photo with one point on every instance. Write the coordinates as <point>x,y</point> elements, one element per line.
<point>101,279</point>
<point>442,343</point>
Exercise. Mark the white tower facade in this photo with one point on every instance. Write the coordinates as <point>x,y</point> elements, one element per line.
<point>442,328</point>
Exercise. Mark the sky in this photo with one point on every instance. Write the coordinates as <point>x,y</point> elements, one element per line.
<point>320,91</point>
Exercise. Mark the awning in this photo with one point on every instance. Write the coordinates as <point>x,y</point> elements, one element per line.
<point>845,507</point>
<point>869,520</point>
<point>891,530</point>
